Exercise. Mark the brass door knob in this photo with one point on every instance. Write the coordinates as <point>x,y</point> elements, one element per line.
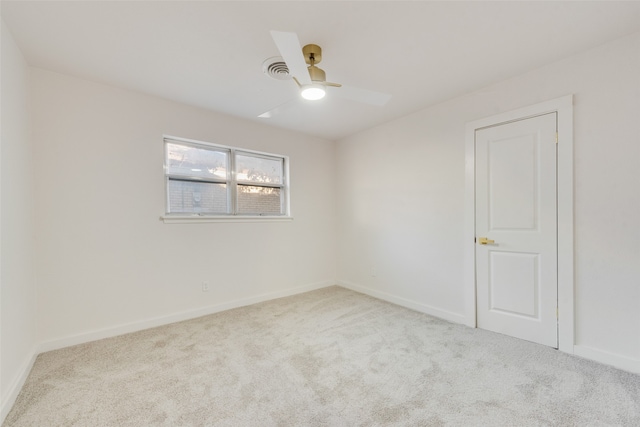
<point>485,241</point>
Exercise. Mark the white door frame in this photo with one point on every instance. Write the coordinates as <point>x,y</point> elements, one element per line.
<point>564,107</point>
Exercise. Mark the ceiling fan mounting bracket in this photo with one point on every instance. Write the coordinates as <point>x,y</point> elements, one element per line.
<point>312,51</point>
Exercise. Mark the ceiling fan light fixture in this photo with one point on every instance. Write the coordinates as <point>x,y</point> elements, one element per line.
<point>312,92</point>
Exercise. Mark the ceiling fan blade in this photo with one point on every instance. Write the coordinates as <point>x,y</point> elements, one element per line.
<point>276,111</point>
<point>291,51</point>
<point>362,95</point>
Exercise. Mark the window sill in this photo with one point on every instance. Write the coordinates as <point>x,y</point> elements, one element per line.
<point>192,219</point>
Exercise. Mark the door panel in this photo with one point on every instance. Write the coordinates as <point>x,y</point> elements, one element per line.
<point>512,183</point>
<point>516,274</point>
<point>513,283</point>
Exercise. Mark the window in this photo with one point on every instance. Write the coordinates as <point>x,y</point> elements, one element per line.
<point>205,179</point>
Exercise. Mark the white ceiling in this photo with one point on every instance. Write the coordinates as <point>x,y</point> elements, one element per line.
<point>209,53</point>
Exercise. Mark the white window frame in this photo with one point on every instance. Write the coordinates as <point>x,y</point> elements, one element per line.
<point>232,184</point>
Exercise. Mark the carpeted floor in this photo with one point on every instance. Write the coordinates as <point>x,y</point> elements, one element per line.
<point>331,357</point>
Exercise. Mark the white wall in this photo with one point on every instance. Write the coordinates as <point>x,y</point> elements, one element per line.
<point>17,280</point>
<point>401,198</point>
<point>106,260</point>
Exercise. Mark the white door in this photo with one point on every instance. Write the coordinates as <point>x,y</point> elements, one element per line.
<point>516,229</point>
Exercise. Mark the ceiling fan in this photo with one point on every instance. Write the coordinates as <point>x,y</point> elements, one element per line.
<point>312,81</point>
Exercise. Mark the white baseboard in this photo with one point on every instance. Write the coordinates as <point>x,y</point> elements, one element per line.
<point>414,305</point>
<point>612,359</point>
<point>175,317</point>
<point>16,385</point>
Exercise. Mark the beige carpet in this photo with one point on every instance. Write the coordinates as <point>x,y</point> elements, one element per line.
<point>325,358</point>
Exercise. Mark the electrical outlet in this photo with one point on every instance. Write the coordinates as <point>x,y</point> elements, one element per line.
<point>205,286</point>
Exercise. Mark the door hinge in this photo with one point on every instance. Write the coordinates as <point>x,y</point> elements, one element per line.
<point>556,137</point>
<point>557,313</point>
